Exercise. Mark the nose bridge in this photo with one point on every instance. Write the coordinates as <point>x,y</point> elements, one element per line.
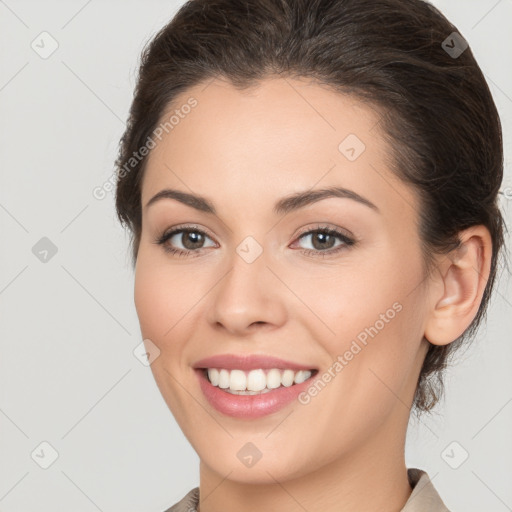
<point>248,292</point>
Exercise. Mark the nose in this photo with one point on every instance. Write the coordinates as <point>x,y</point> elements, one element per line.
<point>247,297</point>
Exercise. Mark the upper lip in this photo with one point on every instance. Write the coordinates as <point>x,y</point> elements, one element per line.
<point>248,362</point>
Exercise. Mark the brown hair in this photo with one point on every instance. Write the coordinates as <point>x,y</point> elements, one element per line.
<point>438,115</point>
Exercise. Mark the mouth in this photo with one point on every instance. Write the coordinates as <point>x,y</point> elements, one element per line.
<point>257,381</point>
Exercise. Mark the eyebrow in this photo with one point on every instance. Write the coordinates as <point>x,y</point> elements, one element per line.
<point>282,207</point>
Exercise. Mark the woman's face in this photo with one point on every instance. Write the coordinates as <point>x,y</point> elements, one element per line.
<point>261,280</point>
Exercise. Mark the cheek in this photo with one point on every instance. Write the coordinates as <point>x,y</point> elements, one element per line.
<point>170,303</point>
<point>341,304</point>
<point>376,322</point>
<point>149,297</point>
<point>162,299</point>
<point>370,314</point>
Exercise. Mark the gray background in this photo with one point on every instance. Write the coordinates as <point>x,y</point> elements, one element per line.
<point>68,375</point>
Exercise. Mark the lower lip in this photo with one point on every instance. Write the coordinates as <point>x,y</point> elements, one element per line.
<point>249,406</point>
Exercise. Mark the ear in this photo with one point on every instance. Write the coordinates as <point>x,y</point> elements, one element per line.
<point>456,293</point>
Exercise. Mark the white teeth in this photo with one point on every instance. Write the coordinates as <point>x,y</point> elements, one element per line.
<point>237,380</point>
<point>287,378</point>
<point>223,379</point>
<point>255,381</point>
<point>213,375</point>
<point>301,376</point>
<point>273,378</point>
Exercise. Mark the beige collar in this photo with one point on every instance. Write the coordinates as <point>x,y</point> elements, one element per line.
<point>424,497</point>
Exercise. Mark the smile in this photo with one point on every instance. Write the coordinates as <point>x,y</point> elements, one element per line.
<point>250,404</point>
<point>257,381</point>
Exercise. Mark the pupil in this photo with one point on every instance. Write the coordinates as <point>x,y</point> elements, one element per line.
<point>192,239</point>
<point>323,237</point>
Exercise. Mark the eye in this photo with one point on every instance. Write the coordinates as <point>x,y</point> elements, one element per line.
<point>183,241</point>
<point>324,241</point>
<point>186,240</point>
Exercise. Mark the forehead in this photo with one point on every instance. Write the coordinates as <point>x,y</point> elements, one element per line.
<point>276,137</point>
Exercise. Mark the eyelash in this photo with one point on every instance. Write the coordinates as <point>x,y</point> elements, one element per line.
<point>347,241</point>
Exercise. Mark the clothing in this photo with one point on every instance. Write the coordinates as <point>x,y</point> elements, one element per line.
<point>424,497</point>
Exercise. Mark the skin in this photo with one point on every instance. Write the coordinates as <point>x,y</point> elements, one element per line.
<point>243,151</point>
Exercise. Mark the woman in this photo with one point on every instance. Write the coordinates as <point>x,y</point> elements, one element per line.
<point>311,189</point>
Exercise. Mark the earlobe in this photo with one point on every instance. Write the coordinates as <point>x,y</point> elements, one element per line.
<point>464,274</point>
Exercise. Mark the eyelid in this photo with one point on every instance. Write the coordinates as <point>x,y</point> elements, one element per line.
<point>326,226</point>
<point>187,227</point>
<point>344,236</point>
